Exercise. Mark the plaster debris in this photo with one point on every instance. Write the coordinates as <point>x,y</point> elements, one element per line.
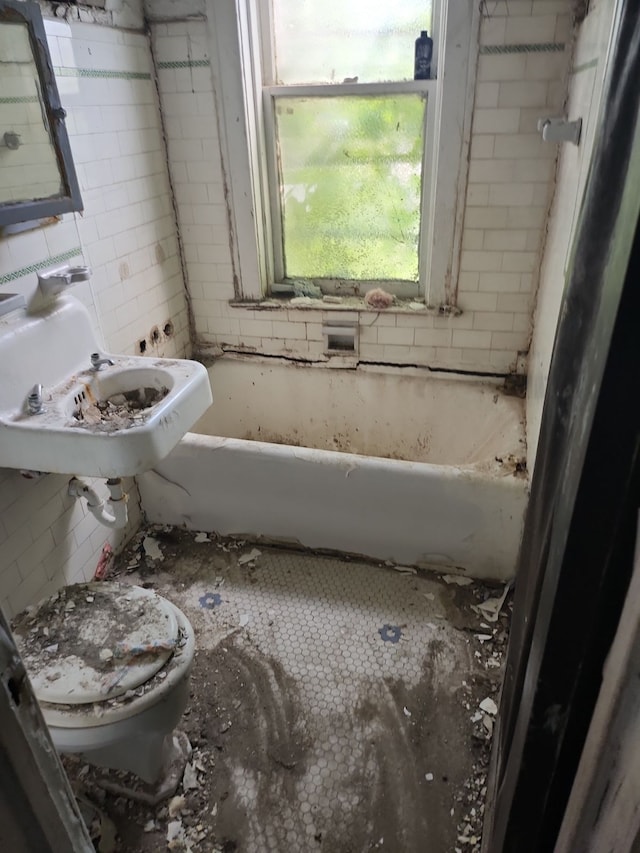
<point>249,557</point>
<point>190,778</point>
<point>405,570</point>
<point>201,537</point>
<point>303,302</point>
<point>52,649</point>
<point>150,826</point>
<point>120,411</point>
<point>332,300</point>
<point>489,706</point>
<point>490,609</point>
<point>175,835</point>
<point>417,306</point>
<point>484,637</point>
<point>105,654</point>
<point>459,580</point>
<point>152,548</point>
<point>248,712</point>
<point>176,805</point>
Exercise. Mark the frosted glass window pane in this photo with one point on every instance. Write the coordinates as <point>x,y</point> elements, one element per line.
<point>332,40</point>
<point>351,178</point>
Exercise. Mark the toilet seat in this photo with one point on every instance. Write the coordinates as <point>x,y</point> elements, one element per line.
<point>64,644</point>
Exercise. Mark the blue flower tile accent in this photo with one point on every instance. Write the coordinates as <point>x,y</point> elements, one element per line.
<point>390,633</point>
<point>210,600</point>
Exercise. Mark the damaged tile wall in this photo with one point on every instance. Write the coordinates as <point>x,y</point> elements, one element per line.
<point>127,235</point>
<point>524,51</point>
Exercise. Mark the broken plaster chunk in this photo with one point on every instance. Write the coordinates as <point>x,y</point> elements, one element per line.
<point>489,706</point>
<point>201,537</point>
<point>428,777</point>
<point>176,805</point>
<point>152,548</point>
<point>487,722</point>
<point>150,826</point>
<point>244,619</point>
<point>406,711</point>
<point>175,833</point>
<point>249,557</point>
<point>105,654</point>
<point>491,608</point>
<point>459,580</point>
<point>190,778</point>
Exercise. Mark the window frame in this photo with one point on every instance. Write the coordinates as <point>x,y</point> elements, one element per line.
<point>244,119</point>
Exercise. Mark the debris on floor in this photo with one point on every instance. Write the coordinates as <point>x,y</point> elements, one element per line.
<point>490,609</point>
<point>250,557</point>
<point>335,705</point>
<point>152,548</point>
<point>459,580</point>
<point>201,537</point>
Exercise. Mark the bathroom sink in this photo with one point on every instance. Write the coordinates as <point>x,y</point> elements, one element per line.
<point>60,414</point>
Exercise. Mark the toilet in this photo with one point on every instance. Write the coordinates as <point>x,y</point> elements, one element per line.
<point>109,664</point>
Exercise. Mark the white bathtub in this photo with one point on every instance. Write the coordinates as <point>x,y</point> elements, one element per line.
<point>397,465</point>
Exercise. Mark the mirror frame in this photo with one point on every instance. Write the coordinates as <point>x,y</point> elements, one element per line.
<point>28,12</point>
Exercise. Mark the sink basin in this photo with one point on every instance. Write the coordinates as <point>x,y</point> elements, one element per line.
<point>112,422</point>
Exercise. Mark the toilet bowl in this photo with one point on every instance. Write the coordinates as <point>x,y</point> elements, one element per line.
<point>109,664</point>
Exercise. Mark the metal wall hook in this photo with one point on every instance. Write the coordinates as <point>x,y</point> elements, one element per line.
<point>560,129</point>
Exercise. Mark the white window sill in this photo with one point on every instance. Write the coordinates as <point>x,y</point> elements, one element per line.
<point>347,303</point>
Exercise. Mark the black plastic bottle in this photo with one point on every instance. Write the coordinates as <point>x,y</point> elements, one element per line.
<point>424,52</point>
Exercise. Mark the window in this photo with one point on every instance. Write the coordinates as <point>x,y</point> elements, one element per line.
<point>343,147</point>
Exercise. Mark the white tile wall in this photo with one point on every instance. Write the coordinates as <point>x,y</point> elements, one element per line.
<point>510,182</point>
<point>127,235</point>
<point>585,92</point>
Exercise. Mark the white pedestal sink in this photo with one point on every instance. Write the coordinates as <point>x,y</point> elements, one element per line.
<point>114,421</point>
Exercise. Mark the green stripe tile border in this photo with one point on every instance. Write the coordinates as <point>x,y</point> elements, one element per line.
<point>20,99</point>
<point>48,262</point>
<point>187,63</point>
<point>546,47</point>
<point>99,73</point>
<point>585,65</point>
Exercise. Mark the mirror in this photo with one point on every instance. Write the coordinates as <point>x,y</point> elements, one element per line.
<point>37,177</point>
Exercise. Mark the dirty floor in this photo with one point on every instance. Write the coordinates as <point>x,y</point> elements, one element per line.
<point>337,706</point>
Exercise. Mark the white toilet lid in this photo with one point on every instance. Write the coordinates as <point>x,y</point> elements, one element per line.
<point>80,645</point>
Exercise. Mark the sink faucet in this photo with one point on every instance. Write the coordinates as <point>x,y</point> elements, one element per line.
<point>55,281</point>
<point>98,363</point>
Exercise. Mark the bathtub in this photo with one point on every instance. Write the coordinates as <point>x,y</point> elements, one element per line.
<point>395,464</point>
